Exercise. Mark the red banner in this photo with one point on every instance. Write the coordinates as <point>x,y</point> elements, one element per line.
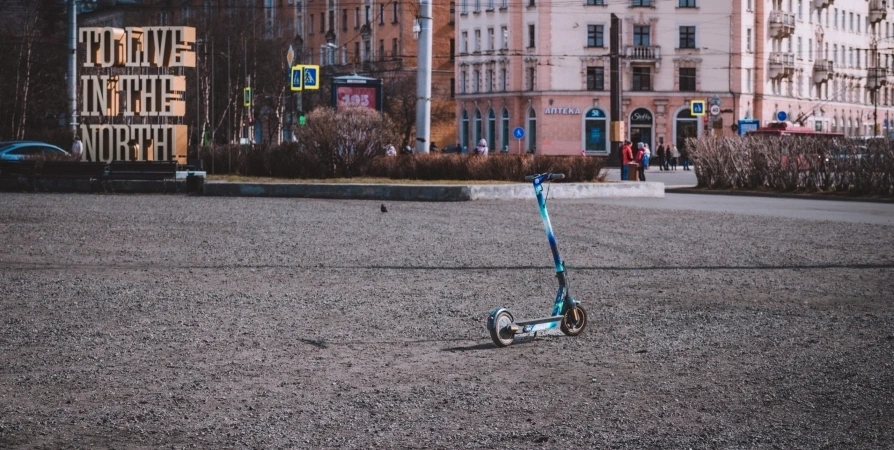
<point>357,96</point>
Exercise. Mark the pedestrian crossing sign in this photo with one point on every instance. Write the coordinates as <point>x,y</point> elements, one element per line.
<point>310,77</point>
<point>697,107</point>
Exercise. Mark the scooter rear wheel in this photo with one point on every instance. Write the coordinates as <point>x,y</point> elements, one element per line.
<point>500,333</point>
<point>574,321</point>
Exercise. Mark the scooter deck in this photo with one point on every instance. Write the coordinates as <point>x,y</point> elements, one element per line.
<point>528,326</point>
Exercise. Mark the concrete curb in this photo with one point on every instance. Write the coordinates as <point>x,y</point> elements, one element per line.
<point>442,193</point>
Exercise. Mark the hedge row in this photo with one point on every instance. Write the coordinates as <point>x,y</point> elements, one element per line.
<point>795,164</point>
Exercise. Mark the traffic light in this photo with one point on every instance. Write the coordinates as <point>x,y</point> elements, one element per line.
<point>302,119</point>
<point>246,97</point>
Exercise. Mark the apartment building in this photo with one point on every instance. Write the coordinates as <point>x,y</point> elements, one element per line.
<point>544,67</point>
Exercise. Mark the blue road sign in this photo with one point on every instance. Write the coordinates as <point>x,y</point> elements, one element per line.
<point>296,78</point>
<point>518,132</point>
<point>311,77</point>
<point>781,116</point>
<point>697,107</point>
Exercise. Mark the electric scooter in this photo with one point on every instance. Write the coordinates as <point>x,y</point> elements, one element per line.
<point>567,313</point>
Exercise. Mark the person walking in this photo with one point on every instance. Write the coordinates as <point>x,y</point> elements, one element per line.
<point>77,148</point>
<point>662,156</point>
<point>674,155</point>
<point>684,154</point>
<point>626,158</point>
<point>642,158</point>
<point>481,148</point>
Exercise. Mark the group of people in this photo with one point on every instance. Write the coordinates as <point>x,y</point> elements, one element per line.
<point>668,155</point>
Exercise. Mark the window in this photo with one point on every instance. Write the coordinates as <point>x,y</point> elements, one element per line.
<point>800,11</point>
<point>491,128</point>
<point>476,81</point>
<point>310,25</point>
<point>532,130</point>
<point>381,49</point>
<point>530,78</point>
<point>504,129</point>
<point>596,2</point>
<point>491,40</point>
<point>477,126</point>
<point>452,87</point>
<point>344,20</point>
<point>452,49</point>
<point>687,37</point>
<point>356,17</point>
<point>595,78</point>
<point>381,14</point>
<point>394,12</point>
<point>595,36</point>
<point>642,79</point>
<point>477,6</point>
<point>464,129</point>
<point>504,80</point>
<point>642,3</point>
<point>641,35</point>
<point>749,81</point>
<point>452,18</point>
<point>477,41</point>
<point>465,42</point>
<point>322,22</point>
<point>504,35</point>
<point>462,82</point>
<point>800,49</point>
<point>687,3</point>
<point>748,39</point>
<point>394,47</point>
<point>687,79</point>
<point>531,40</point>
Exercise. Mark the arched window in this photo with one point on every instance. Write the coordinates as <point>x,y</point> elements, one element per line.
<point>491,129</point>
<point>595,135</point>
<point>477,128</point>
<point>464,129</point>
<point>532,130</point>
<point>686,127</point>
<point>504,130</point>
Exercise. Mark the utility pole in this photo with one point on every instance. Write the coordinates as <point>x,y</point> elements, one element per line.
<point>617,124</point>
<point>72,115</point>
<point>423,79</point>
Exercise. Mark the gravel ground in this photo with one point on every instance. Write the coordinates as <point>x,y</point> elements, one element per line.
<point>190,322</point>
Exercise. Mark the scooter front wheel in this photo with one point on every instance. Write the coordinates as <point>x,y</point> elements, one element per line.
<point>574,321</point>
<point>501,334</point>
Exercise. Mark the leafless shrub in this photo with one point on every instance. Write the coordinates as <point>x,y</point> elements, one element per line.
<point>497,167</point>
<point>795,164</point>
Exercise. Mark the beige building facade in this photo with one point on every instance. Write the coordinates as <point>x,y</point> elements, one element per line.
<point>544,67</point>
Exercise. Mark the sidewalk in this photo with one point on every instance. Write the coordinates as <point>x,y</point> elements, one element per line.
<point>672,179</point>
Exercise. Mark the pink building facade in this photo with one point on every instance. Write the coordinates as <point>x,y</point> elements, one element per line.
<point>544,68</point>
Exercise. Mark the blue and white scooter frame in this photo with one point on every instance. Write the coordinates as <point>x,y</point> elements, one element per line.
<point>567,312</point>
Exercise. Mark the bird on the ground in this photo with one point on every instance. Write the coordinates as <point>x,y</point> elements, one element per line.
<point>384,209</point>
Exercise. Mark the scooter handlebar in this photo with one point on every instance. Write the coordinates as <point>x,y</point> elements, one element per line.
<point>548,177</point>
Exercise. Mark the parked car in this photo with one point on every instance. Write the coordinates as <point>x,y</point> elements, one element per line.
<point>22,150</point>
<point>455,148</point>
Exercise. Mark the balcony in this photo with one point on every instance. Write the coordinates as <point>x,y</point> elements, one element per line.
<point>878,10</point>
<point>875,77</point>
<point>781,64</point>
<point>642,53</point>
<point>823,69</point>
<point>823,3</point>
<point>782,24</point>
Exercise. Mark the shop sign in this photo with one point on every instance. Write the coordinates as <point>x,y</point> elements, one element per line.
<point>563,111</point>
<point>641,117</point>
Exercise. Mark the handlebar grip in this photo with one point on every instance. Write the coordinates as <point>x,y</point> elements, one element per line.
<point>530,177</point>
<point>557,176</point>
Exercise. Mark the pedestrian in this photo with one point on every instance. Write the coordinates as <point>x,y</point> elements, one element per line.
<point>626,158</point>
<point>642,158</point>
<point>481,148</point>
<point>684,155</point>
<point>662,157</point>
<point>77,148</point>
<point>674,155</point>
<point>433,148</point>
<point>390,150</point>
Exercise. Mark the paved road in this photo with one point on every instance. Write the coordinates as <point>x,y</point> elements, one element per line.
<point>792,208</point>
